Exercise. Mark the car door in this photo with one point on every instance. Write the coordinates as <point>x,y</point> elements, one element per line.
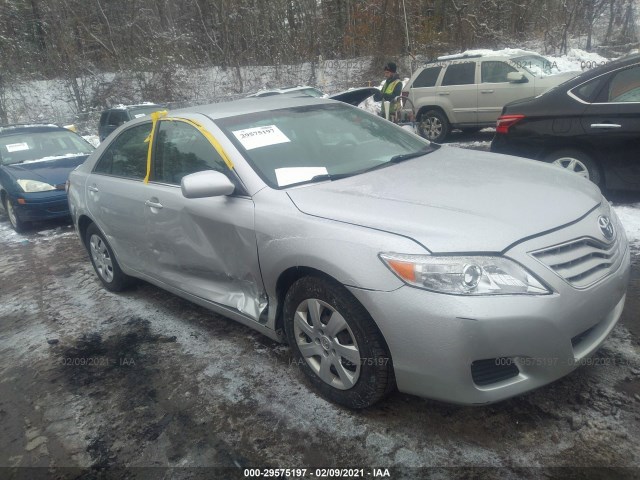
<point>612,124</point>
<point>495,90</point>
<point>206,246</point>
<point>460,90</point>
<point>116,194</point>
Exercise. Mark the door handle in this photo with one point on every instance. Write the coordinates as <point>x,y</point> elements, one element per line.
<point>443,93</point>
<point>487,91</point>
<point>150,203</point>
<point>605,125</point>
<point>93,188</point>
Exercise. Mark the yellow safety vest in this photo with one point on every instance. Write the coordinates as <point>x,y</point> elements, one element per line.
<point>388,90</point>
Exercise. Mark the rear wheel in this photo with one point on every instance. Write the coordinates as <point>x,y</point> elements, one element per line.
<point>336,343</point>
<point>434,126</point>
<point>104,261</point>
<point>18,225</point>
<point>577,162</point>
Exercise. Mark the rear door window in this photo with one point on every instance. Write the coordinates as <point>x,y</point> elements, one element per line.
<point>127,155</point>
<point>460,74</point>
<point>427,78</point>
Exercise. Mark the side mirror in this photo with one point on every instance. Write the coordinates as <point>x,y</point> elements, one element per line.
<point>516,77</point>
<point>204,184</point>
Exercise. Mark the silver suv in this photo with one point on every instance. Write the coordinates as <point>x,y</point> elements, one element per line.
<point>468,91</point>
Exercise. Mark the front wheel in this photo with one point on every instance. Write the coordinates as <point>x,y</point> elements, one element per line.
<point>434,126</point>
<point>336,343</point>
<point>18,225</point>
<point>577,162</point>
<point>104,261</point>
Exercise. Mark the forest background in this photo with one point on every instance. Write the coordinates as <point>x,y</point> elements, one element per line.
<point>96,53</point>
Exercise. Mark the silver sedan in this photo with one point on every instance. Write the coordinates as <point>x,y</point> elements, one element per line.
<point>383,260</point>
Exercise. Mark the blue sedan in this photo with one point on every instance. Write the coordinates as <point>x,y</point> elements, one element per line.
<point>35,162</point>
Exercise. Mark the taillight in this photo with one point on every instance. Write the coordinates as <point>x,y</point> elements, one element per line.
<point>507,121</point>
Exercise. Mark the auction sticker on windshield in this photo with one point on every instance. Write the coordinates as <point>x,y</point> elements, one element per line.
<point>17,147</point>
<point>257,137</point>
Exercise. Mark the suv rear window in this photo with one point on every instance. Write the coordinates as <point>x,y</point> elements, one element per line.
<point>460,74</point>
<point>427,78</point>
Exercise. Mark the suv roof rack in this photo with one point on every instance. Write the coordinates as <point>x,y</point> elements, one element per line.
<point>459,55</point>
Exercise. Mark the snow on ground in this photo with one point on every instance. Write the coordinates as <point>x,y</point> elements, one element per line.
<point>630,217</point>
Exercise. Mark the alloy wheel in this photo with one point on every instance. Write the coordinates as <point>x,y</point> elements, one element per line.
<point>574,165</point>
<point>101,258</point>
<point>327,343</point>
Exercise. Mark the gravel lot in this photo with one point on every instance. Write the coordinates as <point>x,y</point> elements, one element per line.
<point>93,380</point>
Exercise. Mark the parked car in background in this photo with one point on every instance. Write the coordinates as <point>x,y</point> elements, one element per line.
<point>35,161</point>
<point>589,125</point>
<point>381,258</point>
<point>352,96</point>
<point>113,117</point>
<point>468,91</point>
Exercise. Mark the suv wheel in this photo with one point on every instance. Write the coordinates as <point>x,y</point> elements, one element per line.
<point>434,126</point>
<point>577,162</point>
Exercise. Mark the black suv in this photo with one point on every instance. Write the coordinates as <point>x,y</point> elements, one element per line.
<point>590,125</point>
<point>114,117</point>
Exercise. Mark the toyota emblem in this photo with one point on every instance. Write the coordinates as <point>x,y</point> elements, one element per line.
<point>606,227</point>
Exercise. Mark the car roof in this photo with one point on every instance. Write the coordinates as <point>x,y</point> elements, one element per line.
<point>29,128</point>
<point>485,54</point>
<point>254,104</point>
<point>129,107</point>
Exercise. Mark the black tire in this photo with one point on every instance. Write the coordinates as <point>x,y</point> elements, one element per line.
<point>104,261</point>
<point>341,327</point>
<point>577,162</point>
<point>434,126</point>
<point>18,225</point>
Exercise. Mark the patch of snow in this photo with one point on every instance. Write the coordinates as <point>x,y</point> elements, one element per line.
<point>630,217</point>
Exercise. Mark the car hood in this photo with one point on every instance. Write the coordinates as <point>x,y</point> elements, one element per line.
<point>355,96</point>
<point>455,200</point>
<point>54,172</point>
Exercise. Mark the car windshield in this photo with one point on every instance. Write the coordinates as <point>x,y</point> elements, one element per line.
<point>319,142</point>
<point>41,146</point>
<point>536,65</point>
<point>137,112</point>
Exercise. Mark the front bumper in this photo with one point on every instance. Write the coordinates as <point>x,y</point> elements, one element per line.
<point>477,350</point>
<point>42,206</point>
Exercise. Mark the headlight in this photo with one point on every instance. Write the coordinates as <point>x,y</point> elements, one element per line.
<point>464,275</point>
<point>30,186</point>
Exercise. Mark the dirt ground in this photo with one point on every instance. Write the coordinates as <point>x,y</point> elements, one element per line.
<point>92,381</point>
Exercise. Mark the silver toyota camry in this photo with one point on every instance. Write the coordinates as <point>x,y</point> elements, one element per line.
<point>383,260</point>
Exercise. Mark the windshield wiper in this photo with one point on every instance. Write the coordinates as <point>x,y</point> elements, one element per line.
<point>407,156</point>
<point>321,178</point>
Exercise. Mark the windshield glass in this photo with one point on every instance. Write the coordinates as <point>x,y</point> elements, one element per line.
<point>40,146</point>
<point>536,65</point>
<point>300,144</point>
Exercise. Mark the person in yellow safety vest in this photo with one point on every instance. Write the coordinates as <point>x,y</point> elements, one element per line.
<point>391,89</point>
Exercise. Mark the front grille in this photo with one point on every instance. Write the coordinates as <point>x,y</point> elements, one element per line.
<point>493,370</point>
<point>581,262</point>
